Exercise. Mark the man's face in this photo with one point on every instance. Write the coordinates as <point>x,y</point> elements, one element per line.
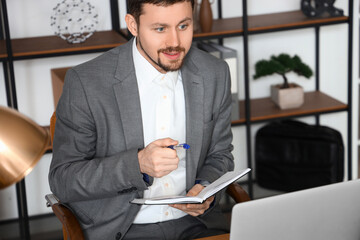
<point>164,35</point>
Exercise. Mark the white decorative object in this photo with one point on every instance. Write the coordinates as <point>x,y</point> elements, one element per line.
<point>74,20</point>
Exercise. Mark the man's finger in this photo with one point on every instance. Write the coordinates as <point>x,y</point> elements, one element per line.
<point>194,191</point>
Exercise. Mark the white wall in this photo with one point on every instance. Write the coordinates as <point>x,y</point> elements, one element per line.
<point>33,82</point>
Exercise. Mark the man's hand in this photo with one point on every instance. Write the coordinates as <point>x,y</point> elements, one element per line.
<point>194,209</point>
<point>157,160</point>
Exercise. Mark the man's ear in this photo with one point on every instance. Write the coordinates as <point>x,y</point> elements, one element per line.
<point>131,24</point>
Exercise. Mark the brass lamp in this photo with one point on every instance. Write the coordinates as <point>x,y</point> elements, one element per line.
<point>22,144</point>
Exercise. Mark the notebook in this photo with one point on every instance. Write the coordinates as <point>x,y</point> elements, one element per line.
<point>330,212</point>
<point>207,192</point>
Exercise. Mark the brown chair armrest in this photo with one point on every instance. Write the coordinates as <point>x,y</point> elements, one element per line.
<point>71,227</point>
<point>236,192</point>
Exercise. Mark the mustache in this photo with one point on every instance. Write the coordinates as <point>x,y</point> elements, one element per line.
<point>172,49</point>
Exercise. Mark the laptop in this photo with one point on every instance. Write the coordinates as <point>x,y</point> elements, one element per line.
<point>330,212</point>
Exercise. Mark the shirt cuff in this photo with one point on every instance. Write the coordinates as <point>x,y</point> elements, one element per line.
<point>202,182</point>
<point>146,178</point>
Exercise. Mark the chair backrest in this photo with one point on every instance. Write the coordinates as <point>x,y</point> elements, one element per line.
<point>71,227</point>
<point>52,126</point>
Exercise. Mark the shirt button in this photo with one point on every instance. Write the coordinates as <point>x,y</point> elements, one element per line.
<point>165,97</point>
<point>166,185</point>
<point>162,78</point>
<point>162,128</point>
<point>166,213</point>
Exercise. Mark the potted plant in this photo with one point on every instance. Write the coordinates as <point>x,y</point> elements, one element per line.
<point>286,95</point>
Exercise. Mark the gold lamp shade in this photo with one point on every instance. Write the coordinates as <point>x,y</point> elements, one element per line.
<point>22,144</point>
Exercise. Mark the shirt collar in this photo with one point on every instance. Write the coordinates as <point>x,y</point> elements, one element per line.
<point>145,72</point>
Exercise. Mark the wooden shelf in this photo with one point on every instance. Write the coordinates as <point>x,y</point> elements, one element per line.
<point>52,45</point>
<point>287,20</point>
<point>263,23</point>
<point>103,40</point>
<point>264,109</point>
<point>3,53</point>
<point>267,22</point>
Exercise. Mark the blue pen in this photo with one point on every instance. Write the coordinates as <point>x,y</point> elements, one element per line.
<point>179,146</point>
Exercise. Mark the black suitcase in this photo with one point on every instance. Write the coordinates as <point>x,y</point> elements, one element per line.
<point>291,155</point>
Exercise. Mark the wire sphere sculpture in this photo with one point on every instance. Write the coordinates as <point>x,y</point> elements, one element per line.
<point>74,20</point>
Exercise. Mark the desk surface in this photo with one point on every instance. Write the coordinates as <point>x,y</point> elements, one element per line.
<point>218,237</point>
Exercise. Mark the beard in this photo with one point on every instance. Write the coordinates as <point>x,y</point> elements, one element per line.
<point>173,65</point>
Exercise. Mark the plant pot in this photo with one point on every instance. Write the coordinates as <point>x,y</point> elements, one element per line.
<point>287,98</point>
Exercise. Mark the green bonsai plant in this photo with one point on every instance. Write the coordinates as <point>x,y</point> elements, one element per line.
<point>282,64</point>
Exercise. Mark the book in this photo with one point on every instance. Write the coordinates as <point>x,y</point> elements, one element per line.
<point>207,192</point>
<point>229,55</point>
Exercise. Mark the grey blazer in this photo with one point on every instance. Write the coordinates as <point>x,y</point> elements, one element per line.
<point>98,133</point>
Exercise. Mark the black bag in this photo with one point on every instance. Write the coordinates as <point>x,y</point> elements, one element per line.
<point>292,155</point>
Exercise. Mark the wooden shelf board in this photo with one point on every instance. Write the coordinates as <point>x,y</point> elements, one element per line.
<point>225,26</point>
<point>288,19</point>
<point>56,45</point>
<point>27,47</point>
<point>3,53</point>
<point>265,109</point>
<point>264,22</point>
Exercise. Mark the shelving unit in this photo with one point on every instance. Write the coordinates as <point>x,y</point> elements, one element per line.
<point>262,110</point>
<point>251,110</point>
<point>316,103</point>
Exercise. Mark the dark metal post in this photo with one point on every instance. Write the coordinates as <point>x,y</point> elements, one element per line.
<point>350,61</point>
<point>317,67</point>
<point>317,57</point>
<point>247,95</point>
<point>12,102</point>
<point>22,208</point>
<point>115,19</point>
<point>220,40</point>
<point>220,9</point>
<point>10,77</point>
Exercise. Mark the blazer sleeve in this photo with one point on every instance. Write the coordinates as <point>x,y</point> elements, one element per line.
<point>76,173</point>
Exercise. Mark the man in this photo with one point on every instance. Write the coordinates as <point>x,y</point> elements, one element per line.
<point>119,113</point>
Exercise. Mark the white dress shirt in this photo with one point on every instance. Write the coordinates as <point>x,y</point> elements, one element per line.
<point>163,115</point>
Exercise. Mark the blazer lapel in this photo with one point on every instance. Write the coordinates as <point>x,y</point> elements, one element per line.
<point>194,98</point>
<point>127,97</point>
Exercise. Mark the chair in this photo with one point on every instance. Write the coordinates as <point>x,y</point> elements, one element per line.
<point>71,227</point>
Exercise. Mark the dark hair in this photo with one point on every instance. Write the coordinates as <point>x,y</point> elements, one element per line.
<point>135,7</point>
